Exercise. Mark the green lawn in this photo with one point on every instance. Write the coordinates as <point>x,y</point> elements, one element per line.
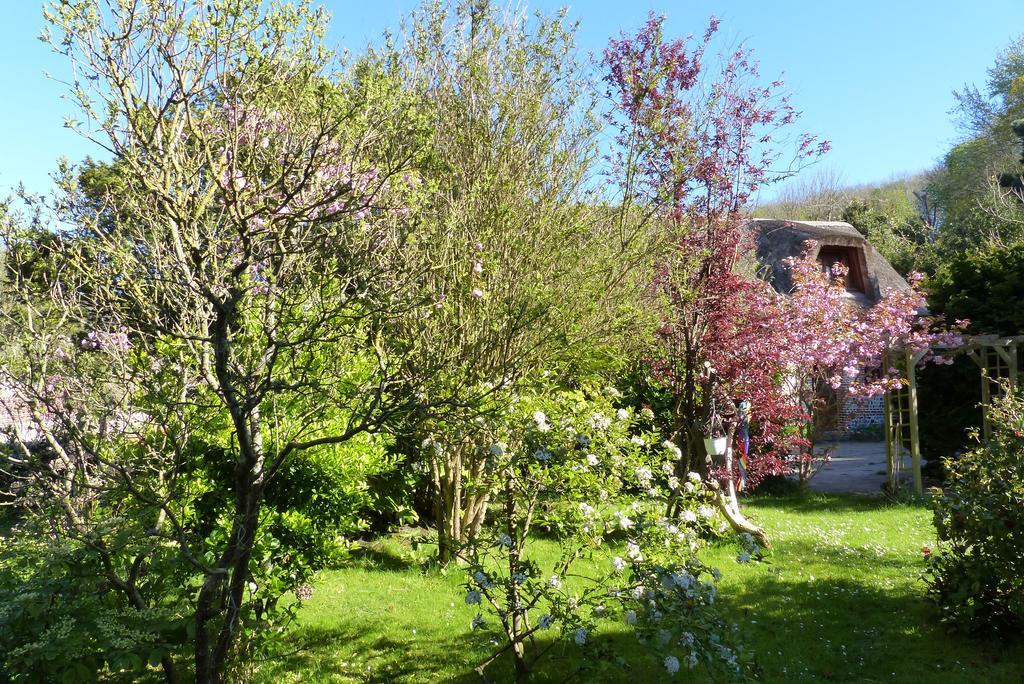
<point>839,599</point>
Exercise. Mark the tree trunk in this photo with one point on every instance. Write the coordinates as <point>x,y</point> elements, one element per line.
<point>736,519</point>
<point>460,510</point>
<point>517,627</point>
<point>449,518</point>
<point>728,502</point>
<point>205,611</point>
<point>233,565</point>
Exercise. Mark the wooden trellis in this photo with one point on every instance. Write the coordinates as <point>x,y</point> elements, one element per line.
<point>998,359</point>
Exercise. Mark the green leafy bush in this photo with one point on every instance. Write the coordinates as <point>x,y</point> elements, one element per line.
<point>977,575</point>
<point>986,287</point>
<point>116,600</point>
<point>60,621</point>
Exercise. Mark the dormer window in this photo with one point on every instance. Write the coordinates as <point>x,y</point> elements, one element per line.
<point>849,257</point>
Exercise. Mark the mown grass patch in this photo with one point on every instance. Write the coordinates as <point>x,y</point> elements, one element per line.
<point>838,599</point>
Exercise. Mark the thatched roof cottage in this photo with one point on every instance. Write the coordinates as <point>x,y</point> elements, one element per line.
<point>870,274</point>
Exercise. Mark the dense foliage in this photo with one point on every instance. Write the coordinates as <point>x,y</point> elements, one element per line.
<point>977,574</point>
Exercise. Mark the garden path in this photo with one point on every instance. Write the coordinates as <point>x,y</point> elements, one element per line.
<point>855,468</point>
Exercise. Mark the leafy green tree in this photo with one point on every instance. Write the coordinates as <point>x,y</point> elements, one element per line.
<point>1014,180</point>
<point>523,274</point>
<point>965,187</point>
<point>985,287</point>
<point>890,217</point>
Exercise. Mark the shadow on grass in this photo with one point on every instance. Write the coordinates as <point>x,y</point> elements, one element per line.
<point>383,557</point>
<point>843,630</point>
<point>357,651</point>
<point>327,655</point>
<point>832,629</point>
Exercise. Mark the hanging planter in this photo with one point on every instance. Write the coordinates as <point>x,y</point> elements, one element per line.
<point>714,432</point>
<point>715,446</point>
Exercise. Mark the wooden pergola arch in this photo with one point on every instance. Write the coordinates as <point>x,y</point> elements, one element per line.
<point>998,360</point>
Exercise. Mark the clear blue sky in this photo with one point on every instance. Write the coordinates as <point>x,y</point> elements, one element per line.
<point>875,77</point>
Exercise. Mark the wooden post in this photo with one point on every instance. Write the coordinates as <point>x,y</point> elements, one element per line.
<point>1014,367</point>
<point>980,357</point>
<point>986,395</point>
<point>890,464</point>
<point>915,441</point>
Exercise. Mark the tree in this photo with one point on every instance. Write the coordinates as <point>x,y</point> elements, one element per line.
<point>791,355</point>
<point>568,468</point>
<point>979,244</point>
<point>895,227</point>
<point>219,309</point>
<point>525,275</point>
<point>966,185</point>
<point>693,147</point>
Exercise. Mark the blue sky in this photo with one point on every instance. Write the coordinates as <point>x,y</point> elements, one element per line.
<point>874,77</point>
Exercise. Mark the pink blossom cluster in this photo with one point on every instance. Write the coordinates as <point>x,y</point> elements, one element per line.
<point>321,179</point>
<point>96,340</point>
<point>848,343</point>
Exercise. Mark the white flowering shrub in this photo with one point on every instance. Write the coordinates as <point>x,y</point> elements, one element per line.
<point>668,596</point>
<point>572,467</point>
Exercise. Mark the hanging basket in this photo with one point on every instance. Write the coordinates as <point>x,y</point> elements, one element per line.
<point>715,446</point>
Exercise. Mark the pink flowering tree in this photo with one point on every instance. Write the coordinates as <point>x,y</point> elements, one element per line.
<point>694,144</point>
<point>696,138</point>
<point>792,354</point>
<point>831,345</point>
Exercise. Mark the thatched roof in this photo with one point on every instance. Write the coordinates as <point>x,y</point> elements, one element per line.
<point>778,240</point>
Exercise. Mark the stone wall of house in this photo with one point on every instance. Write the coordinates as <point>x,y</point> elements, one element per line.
<point>859,414</point>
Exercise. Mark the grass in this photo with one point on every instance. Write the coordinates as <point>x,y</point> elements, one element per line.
<point>839,599</point>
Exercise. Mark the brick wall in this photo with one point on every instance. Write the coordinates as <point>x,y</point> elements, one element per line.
<point>855,413</point>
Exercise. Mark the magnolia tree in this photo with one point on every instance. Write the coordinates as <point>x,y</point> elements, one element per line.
<point>218,310</point>
<point>523,276</point>
<point>570,466</point>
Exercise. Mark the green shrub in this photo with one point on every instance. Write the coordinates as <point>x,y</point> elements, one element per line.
<point>987,287</point>
<point>321,497</point>
<point>67,613</point>
<point>60,621</point>
<point>977,574</point>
